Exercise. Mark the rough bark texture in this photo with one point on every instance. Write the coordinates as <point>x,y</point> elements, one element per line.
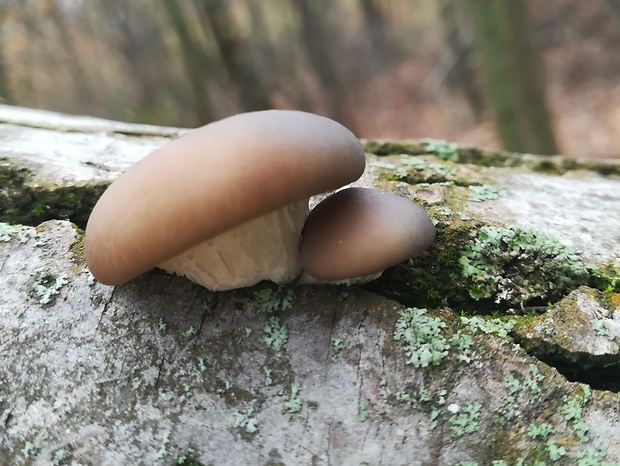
<point>162,371</point>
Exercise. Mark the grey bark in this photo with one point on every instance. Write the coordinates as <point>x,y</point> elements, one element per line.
<point>159,368</point>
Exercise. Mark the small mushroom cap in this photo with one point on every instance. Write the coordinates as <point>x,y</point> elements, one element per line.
<point>359,231</point>
<point>212,179</point>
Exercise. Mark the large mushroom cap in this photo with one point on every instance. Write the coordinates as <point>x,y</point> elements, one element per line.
<point>213,179</point>
<point>358,232</point>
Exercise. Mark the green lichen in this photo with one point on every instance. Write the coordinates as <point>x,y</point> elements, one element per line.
<point>491,326</point>
<point>29,450</point>
<point>291,399</point>
<point>276,334</point>
<point>61,457</point>
<point>443,150</point>
<point>337,346</point>
<point>484,192</point>
<point>572,410</point>
<point>515,265</point>
<point>245,421</point>
<point>362,411</point>
<point>8,232</point>
<point>602,329</point>
<point>539,430</point>
<point>269,300</point>
<point>555,452</point>
<point>465,420</point>
<point>187,458</point>
<point>46,286</point>
<point>422,337</point>
<point>268,371</point>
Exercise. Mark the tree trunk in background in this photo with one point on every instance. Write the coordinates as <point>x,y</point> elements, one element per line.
<point>614,7</point>
<point>462,75</point>
<point>72,57</point>
<point>377,28</point>
<point>234,54</point>
<point>193,59</point>
<point>138,40</point>
<point>315,37</point>
<point>514,80</point>
<point>6,96</point>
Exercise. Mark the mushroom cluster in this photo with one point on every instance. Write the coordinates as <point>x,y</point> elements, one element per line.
<point>226,205</point>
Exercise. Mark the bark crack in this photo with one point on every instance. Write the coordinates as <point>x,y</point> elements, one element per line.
<point>159,371</point>
<point>329,443</point>
<point>105,308</point>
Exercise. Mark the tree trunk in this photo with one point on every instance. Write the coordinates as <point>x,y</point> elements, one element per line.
<point>6,95</point>
<point>513,75</point>
<point>139,43</point>
<point>614,8</point>
<point>462,75</point>
<point>234,54</point>
<point>317,41</point>
<point>160,371</point>
<point>193,60</point>
<point>72,56</point>
<point>377,29</point>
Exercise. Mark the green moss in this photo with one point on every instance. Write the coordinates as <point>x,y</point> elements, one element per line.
<point>606,276</point>
<point>434,278</point>
<point>76,250</point>
<point>415,170</point>
<point>548,167</point>
<point>557,165</point>
<point>444,151</point>
<point>387,147</point>
<point>28,203</point>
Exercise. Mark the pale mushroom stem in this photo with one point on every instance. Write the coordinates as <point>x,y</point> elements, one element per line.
<point>265,248</point>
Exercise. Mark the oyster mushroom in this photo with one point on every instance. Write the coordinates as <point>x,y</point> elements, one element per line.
<point>356,233</point>
<point>223,205</point>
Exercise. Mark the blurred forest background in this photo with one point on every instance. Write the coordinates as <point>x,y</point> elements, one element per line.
<point>472,71</point>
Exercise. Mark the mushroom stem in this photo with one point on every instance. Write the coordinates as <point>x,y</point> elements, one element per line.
<point>265,248</point>
<point>305,278</point>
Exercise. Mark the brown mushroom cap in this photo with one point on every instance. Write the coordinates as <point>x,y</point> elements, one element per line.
<point>358,232</point>
<point>212,179</point>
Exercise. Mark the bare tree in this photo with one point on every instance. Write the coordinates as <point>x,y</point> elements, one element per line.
<point>514,78</point>
<point>461,74</point>
<point>614,8</point>
<point>6,95</point>
<point>317,39</point>
<point>193,60</point>
<point>72,59</point>
<point>131,29</point>
<point>377,29</point>
<point>234,53</point>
